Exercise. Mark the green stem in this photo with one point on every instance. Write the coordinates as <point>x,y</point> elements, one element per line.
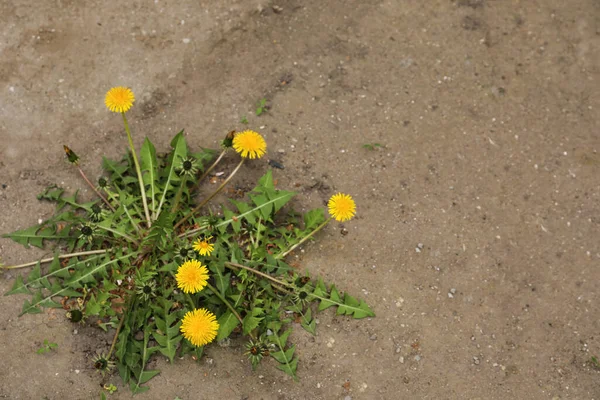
<point>228,304</point>
<point>138,170</point>
<point>62,256</point>
<point>199,206</point>
<point>304,239</point>
<point>256,272</point>
<point>191,301</point>
<point>179,194</point>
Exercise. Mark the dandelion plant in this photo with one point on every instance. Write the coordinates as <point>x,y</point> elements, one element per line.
<point>147,261</point>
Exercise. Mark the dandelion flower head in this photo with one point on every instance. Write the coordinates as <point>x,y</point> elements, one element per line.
<point>341,207</point>
<point>203,247</point>
<point>249,144</point>
<point>199,327</point>
<point>191,276</point>
<point>119,99</point>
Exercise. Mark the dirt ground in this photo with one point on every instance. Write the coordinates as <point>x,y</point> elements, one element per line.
<point>477,235</point>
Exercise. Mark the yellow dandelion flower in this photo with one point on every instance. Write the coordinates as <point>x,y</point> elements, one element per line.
<point>191,276</point>
<point>203,247</point>
<point>249,144</point>
<point>199,327</point>
<point>341,207</point>
<point>119,99</point>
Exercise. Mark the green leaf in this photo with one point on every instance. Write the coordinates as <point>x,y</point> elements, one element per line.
<point>287,362</point>
<point>307,322</point>
<point>167,332</point>
<point>221,280</point>
<point>22,287</point>
<point>179,153</point>
<point>75,281</point>
<point>51,193</point>
<point>149,168</point>
<point>251,320</point>
<point>227,323</point>
<point>313,218</point>
<point>27,237</point>
<point>349,305</point>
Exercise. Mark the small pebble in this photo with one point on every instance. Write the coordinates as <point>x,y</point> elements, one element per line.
<point>373,337</point>
<point>453,291</point>
<point>420,245</point>
<point>348,398</point>
<point>401,359</point>
<point>417,358</point>
<point>74,331</point>
<point>77,371</point>
<point>450,295</point>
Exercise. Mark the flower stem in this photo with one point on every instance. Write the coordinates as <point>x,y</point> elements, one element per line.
<point>199,206</point>
<point>94,189</point>
<point>138,170</point>
<point>213,165</point>
<point>178,195</point>
<point>256,272</point>
<point>47,260</point>
<point>304,239</point>
<point>189,299</point>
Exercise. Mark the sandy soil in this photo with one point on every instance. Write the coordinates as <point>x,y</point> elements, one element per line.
<point>488,116</point>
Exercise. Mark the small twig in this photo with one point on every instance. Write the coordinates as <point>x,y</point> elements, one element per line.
<point>62,256</point>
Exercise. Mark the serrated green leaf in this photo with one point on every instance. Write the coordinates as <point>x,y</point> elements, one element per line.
<point>244,209</point>
<point>307,322</point>
<point>262,200</point>
<point>75,281</point>
<point>167,335</point>
<point>287,362</point>
<point>251,320</point>
<point>349,305</point>
<point>18,287</point>
<point>313,218</point>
